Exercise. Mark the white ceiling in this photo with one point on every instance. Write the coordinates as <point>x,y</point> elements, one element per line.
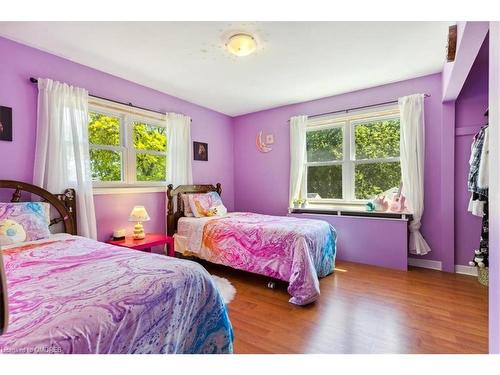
<point>295,61</point>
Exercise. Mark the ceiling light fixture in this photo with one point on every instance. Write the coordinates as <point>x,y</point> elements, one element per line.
<point>241,44</point>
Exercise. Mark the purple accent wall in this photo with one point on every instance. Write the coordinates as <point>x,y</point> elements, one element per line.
<point>112,212</point>
<point>446,223</point>
<point>261,180</point>
<point>247,170</point>
<point>368,240</point>
<point>19,62</point>
<point>469,117</point>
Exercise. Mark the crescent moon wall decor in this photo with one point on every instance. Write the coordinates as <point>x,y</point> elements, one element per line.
<point>264,146</point>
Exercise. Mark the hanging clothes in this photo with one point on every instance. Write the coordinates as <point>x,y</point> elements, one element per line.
<point>484,243</point>
<point>478,173</point>
<point>483,172</point>
<point>476,204</point>
<point>478,183</point>
<point>475,163</point>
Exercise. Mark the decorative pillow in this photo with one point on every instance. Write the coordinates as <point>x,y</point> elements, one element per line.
<point>32,216</point>
<point>187,206</point>
<point>209,204</point>
<point>11,232</point>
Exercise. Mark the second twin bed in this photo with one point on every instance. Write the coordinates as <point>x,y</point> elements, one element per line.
<point>297,251</point>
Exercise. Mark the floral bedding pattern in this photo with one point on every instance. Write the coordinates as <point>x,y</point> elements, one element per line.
<point>294,250</point>
<point>76,295</point>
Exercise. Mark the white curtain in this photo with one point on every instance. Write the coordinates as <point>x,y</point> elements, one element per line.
<point>180,150</point>
<point>298,126</point>
<point>62,148</point>
<point>412,151</point>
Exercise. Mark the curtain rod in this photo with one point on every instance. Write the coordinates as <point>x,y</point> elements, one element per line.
<point>34,80</point>
<point>356,108</point>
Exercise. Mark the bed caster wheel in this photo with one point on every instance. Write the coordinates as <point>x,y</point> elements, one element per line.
<point>271,285</point>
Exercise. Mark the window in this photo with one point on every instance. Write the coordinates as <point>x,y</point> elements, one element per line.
<point>351,158</point>
<point>150,148</point>
<point>126,148</point>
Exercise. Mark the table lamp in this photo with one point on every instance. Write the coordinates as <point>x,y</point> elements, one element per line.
<point>139,214</point>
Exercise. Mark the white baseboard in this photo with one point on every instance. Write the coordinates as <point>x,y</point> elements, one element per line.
<point>436,265</point>
<point>425,263</point>
<point>466,270</point>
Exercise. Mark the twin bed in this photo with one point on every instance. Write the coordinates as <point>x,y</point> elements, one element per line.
<point>297,251</point>
<point>69,294</point>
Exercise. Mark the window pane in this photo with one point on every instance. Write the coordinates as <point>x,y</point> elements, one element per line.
<point>151,167</point>
<point>324,145</point>
<point>149,137</point>
<point>377,139</point>
<point>104,130</point>
<point>105,165</point>
<point>375,178</point>
<point>324,182</point>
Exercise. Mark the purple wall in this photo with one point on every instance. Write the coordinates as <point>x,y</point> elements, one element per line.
<point>19,62</point>
<point>264,175</point>
<point>261,180</point>
<point>112,212</point>
<point>469,117</point>
<point>369,240</point>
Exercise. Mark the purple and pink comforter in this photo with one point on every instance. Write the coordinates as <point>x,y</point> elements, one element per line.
<point>75,295</point>
<point>294,250</point>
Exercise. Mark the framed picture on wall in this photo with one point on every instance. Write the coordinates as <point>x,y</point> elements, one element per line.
<point>200,151</point>
<point>5,124</point>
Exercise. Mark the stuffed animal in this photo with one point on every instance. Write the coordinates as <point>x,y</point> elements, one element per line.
<point>381,204</point>
<point>479,259</point>
<point>11,232</point>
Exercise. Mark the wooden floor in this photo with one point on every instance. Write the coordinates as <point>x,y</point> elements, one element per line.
<point>362,309</point>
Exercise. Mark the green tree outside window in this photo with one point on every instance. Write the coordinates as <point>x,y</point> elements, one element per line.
<point>149,141</point>
<point>372,140</point>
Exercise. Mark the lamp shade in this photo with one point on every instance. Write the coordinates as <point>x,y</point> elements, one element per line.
<point>138,214</point>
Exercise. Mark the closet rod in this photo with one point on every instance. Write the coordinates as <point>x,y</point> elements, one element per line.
<point>34,80</point>
<point>356,108</point>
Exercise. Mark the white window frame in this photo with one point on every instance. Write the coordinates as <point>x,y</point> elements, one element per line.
<point>127,116</point>
<point>347,121</point>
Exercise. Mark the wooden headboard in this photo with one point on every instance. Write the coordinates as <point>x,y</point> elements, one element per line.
<point>173,217</point>
<point>64,204</point>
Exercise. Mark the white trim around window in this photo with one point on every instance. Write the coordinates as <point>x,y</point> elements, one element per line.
<point>129,190</point>
<point>127,118</point>
<point>347,122</point>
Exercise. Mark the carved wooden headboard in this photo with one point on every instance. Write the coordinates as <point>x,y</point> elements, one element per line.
<point>64,204</point>
<point>173,217</point>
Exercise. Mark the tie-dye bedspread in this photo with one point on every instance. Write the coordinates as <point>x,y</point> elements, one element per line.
<point>286,248</point>
<point>76,295</point>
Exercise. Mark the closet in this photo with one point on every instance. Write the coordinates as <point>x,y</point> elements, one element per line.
<point>471,224</point>
<point>478,184</point>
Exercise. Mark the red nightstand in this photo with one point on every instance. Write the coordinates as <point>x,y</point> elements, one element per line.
<point>151,239</point>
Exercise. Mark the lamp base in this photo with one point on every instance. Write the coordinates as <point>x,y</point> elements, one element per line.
<point>139,232</point>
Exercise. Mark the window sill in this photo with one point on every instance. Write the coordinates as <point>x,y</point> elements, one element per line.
<point>129,190</point>
<point>350,210</point>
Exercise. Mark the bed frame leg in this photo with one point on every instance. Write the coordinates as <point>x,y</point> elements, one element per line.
<point>271,284</point>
